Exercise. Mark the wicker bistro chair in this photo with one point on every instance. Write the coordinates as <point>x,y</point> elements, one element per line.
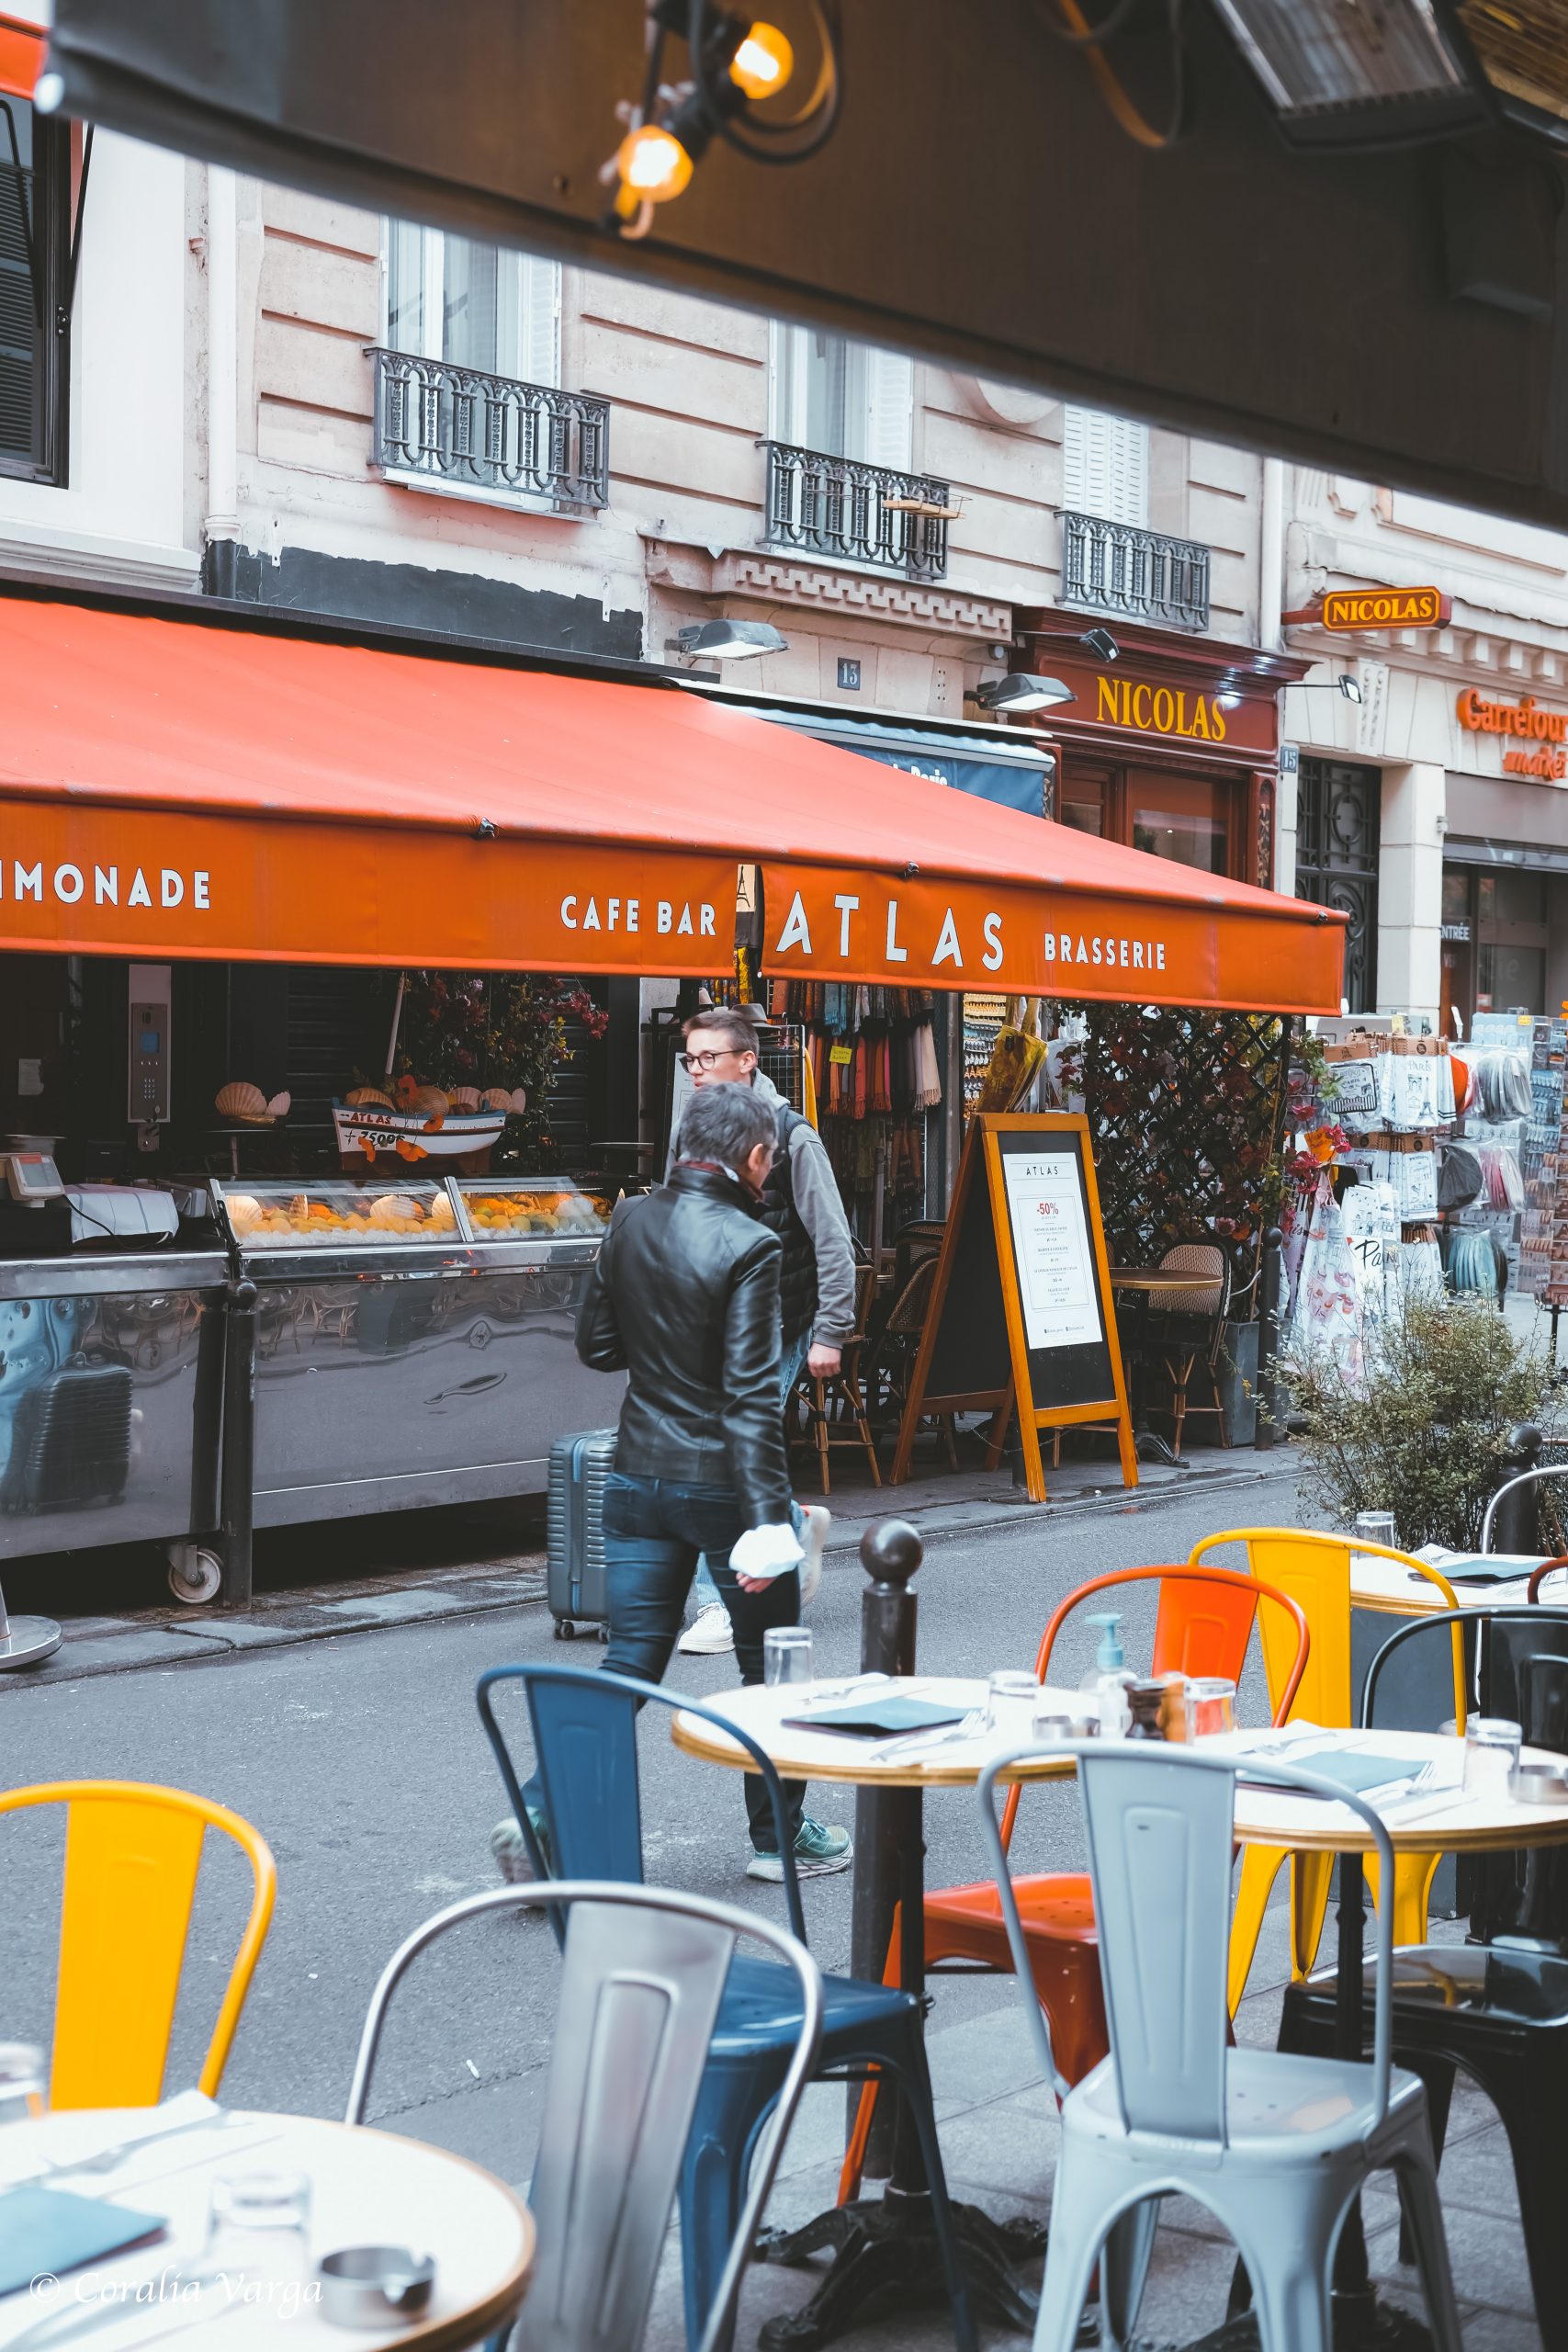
<point>1185,1330</point>
<point>835,1406</point>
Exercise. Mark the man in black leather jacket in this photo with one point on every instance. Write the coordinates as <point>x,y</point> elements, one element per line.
<point>685,1298</point>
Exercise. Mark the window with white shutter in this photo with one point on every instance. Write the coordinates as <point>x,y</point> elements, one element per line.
<point>1105,466</point>
<point>476,305</point>
<point>843,399</point>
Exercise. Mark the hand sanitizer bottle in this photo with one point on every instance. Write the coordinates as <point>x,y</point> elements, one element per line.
<point>1107,1682</point>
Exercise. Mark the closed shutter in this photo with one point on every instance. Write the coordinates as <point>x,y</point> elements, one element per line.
<point>1105,466</point>
<point>18,322</point>
<point>541,320</point>
<point>889,410</point>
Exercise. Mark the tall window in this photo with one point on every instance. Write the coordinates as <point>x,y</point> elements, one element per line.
<point>35,170</point>
<point>842,399</point>
<point>478,306</point>
<point>1105,466</point>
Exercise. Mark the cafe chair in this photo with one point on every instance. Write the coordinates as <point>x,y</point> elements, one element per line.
<point>1203,1626</point>
<point>1278,2147</point>
<point>584,1726</point>
<point>642,1985</point>
<point>1315,1570</point>
<point>835,1406</point>
<point>134,1852</point>
<point>1496,2007</point>
<point>1186,1329</point>
<point>890,1364</point>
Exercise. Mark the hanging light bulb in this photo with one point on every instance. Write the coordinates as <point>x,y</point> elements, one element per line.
<point>762,64</point>
<point>652,163</point>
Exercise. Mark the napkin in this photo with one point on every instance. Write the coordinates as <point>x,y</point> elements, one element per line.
<point>1352,1767</point>
<point>873,1716</point>
<point>53,2230</point>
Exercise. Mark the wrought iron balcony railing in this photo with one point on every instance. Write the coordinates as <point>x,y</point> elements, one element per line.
<point>1143,575</point>
<point>854,513</point>
<point>452,424</point>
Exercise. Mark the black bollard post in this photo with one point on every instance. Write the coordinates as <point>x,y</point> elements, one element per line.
<point>1514,1527</point>
<point>1270,1280</point>
<point>889,1553</point>
<point>237,1495</point>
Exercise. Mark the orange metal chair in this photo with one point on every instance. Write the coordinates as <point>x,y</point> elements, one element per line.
<point>1315,1570</point>
<point>1204,1626</point>
<point>132,1853</point>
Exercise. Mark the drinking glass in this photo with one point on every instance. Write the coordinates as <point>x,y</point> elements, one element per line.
<point>1210,1705</point>
<point>1007,1693</point>
<point>23,2075</point>
<point>1377,1526</point>
<point>258,2227</point>
<point>1176,1707</point>
<point>786,1653</point>
<point>1491,1751</point>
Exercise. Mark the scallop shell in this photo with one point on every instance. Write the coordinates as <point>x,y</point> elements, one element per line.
<point>278,1108</point>
<point>240,1101</point>
<point>430,1100</point>
<point>496,1097</point>
<point>465,1099</point>
<point>244,1211</point>
<point>299,1207</point>
<point>395,1207</point>
<point>358,1097</point>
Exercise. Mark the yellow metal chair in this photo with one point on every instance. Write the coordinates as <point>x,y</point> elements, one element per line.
<point>1315,1570</point>
<point>132,1853</point>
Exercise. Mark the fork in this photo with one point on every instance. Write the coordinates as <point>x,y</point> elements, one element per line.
<point>109,2159</point>
<point>887,1751</point>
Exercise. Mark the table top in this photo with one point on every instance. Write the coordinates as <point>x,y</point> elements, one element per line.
<point>836,1755</point>
<point>1391,1589</point>
<point>368,2188</point>
<point>1161,1278</point>
<point>1441,1820</point>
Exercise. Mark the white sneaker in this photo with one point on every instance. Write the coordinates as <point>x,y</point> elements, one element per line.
<point>818,1523</point>
<point>711,1631</point>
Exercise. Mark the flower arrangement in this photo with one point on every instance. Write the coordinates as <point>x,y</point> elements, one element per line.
<point>505,1029</point>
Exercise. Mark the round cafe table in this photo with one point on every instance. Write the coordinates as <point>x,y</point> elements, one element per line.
<point>1149,1443</point>
<point>1388,1589</point>
<point>888,2242</point>
<point>367,2187</point>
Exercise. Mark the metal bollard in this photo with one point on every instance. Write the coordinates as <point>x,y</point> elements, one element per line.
<point>889,1553</point>
<point>1270,1280</point>
<point>1514,1526</point>
<point>237,1496</point>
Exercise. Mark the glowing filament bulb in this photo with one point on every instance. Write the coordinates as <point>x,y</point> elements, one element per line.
<point>764,62</point>
<point>654,165</point>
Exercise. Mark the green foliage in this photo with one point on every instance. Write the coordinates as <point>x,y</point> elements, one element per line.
<point>504,1029</point>
<point>1424,1432</point>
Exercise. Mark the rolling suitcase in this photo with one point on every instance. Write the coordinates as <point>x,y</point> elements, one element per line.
<point>574,1578</point>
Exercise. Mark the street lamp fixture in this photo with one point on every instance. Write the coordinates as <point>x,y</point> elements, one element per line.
<point>1344,684</point>
<point>1102,644</point>
<point>731,640</point>
<point>1019,692</point>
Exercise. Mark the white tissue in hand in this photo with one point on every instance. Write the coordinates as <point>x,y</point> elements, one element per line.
<point>766,1551</point>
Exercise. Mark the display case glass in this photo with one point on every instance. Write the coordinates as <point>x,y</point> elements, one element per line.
<point>338,1212</point>
<point>521,1208</point>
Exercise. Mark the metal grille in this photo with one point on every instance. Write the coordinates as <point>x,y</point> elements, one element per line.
<point>855,513</point>
<point>1338,819</point>
<point>1143,575</point>
<point>454,424</point>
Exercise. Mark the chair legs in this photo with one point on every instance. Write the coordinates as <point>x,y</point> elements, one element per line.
<point>1423,2215</point>
<point>1311,1877</point>
<point>1123,2271</point>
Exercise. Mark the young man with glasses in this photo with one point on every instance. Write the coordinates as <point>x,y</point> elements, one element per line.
<point>816,1284</point>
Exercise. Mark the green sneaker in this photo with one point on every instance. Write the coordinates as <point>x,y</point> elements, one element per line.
<point>819,1851</point>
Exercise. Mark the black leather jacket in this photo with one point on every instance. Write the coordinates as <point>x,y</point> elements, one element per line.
<point>684,1296</point>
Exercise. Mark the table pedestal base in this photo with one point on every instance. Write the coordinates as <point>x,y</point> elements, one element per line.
<point>886,2247</point>
<point>1361,2325</point>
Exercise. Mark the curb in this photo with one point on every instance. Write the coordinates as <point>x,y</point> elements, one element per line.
<point>131,1647</point>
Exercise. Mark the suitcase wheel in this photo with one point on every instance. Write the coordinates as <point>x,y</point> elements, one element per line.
<point>565,1630</point>
<point>603,1633</point>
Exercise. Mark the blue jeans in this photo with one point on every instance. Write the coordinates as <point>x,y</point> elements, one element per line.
<point>655,1530</point>
<point>791,1364</point>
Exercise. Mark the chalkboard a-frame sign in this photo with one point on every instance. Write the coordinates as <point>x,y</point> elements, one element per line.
<point>1021,1308</point>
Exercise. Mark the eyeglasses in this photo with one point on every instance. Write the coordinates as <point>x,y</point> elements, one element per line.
<point>706,1061</point>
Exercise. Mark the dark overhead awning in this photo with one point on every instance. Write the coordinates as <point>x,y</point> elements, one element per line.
<point>1389,315</point>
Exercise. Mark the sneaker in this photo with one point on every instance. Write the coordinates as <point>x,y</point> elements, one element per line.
<point>710,1632</point>
<point>818,1523</point>
<point>819,1851</point>
<point>510,1847</point>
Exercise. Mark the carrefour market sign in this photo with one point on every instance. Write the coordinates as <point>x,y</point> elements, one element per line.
<point>1539,739</point>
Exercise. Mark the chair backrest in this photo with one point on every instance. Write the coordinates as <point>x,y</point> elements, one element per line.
<point>132,1854</point>
<point>1202,1626</point>
<point>1195,1258</point>
<point>1160,1822</point>
<point>643,1977</point>
<point>585,1742</point>
<point>907,1314</point>
<point>1315,1570</point>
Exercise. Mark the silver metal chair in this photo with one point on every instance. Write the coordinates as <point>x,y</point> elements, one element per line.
<point>643,1972</point>
<point>1276,2146</point>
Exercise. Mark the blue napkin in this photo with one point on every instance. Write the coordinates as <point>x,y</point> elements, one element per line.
<point>1351,1768</point>
<point>878,1715</point>
<point>52,2230</point>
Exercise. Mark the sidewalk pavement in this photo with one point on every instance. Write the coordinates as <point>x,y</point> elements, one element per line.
<point>944,1505</point>
<point>999,2145</point>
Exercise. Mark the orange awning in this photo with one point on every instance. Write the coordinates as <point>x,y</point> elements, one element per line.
<point>189,786</point>
<point>21,57</point>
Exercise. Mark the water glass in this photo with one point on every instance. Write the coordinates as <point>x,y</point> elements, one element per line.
<point>1006,1693</point>
<point>786,1653</point>
<point>1210,1705</point>
<point>1491,1751</point>
<point>1377,1526</point>
<point>258,2227</point>
<point>1175,1712</point>
<point>23,2075</point>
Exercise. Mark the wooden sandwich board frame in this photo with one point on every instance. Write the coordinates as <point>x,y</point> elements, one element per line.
<point>996,1373</point>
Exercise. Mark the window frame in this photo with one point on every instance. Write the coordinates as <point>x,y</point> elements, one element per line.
<point>49,460</point>
<point>786,402</point>
<point>433,281</point>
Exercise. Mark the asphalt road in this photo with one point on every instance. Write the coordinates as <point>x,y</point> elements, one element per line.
<point>362,1761</point>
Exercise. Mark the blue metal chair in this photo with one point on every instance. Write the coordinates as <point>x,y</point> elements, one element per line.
<point>585,1740</point>
<point>644,1978</point>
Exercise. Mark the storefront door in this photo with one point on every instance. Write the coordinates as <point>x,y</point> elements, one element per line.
<point>1338,819</point>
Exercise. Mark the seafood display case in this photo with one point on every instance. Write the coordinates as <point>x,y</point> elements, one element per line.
<point>414,1336</point>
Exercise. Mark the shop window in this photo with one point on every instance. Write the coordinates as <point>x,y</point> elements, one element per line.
<point>35,171</point>
<point>1186,820</point>
<point>1510,980</point>
<point>477,306</point>
<point>842,399</point>
<point>1456,896</point>
<point>1105,466</point>
<point>1084,814</point>
<point>1511,898</point>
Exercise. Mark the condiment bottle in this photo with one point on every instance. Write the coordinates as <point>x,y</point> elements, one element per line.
<point>1107,1682</point>
<point>1147,1702</point>
<point>1174,1720</point>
